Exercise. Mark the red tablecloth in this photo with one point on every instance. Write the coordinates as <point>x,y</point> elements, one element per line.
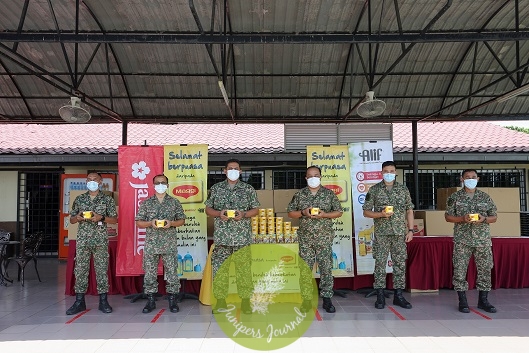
<point>429,267</point>
<point>117,284</point>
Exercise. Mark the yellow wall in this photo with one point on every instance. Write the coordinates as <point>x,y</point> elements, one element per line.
<point>8,190</point>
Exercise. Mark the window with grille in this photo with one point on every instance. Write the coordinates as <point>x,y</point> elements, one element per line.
<point>289,179</point>
<point>253,177</point>
<point>432,179</point>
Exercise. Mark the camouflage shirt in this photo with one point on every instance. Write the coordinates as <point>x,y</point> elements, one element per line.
<point>399,197</point>
<point>92,233</point>
<point>160,240</point>
<point>241,197</point>
<point>326,201</point>
<point>460,204</point>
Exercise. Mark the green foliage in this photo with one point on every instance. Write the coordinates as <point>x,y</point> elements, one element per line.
<point>520,129</point>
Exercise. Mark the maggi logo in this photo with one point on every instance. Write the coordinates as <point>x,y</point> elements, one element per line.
<point>185,191</point>
<point>335,188</point>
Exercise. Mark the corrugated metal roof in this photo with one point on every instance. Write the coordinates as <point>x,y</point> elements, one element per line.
<point>137,77</point>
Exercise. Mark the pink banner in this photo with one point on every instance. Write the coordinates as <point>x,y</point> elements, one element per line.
<point>137,166</point>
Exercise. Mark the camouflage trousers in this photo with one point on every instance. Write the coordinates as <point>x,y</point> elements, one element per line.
<point>312,250</point>
<point>484,264</point>
<point>395,245</point>
<point>82,267</point>
<point>150,267</point>
<point>221,260</point>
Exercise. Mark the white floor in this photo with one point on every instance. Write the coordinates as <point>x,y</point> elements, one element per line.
<point>33,319</point>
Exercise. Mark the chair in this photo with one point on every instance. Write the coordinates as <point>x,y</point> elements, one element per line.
<point>28,251</point>
<point>4,236</point>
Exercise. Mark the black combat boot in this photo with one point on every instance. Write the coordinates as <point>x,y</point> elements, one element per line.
<point>306,306</point>
<point>463,304</point>
<point>151,304</point>
<point>172,303</point>
<point>327,305</point>
<point>78,306</point>
<point>221,304</point>
<point>103,304</point>
<point>246,307</point>
<point>399,300</point>
<point>483,302</point>
<point>381,299</point>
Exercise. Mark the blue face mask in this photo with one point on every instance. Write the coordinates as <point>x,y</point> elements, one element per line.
<point>470,183</point>
<point>389,177</point>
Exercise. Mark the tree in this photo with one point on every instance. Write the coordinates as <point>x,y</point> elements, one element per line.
<point>525,130</point>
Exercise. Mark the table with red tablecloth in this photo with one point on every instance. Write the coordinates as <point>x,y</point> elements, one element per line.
<point>429,268</point>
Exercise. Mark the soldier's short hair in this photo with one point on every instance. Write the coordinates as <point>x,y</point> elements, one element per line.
<point>313,166</point>
<point>161,175</point>
<point>468,171</point>
<point>232,160</point>
<point>94,172</point>
<point>388,164</point>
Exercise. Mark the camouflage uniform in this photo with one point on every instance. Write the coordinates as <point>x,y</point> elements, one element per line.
<point>92,239</point>
<point>471,238</point>
<point>160,242</point>
<point>231,235</point>
<point>315,236</point>
<point>390,233</point>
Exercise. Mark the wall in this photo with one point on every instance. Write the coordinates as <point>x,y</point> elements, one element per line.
<point>8,190</point>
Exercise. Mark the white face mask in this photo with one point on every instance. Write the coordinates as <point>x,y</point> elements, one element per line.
<point>160,188</point>
<point>313,182</point>
<point>92,185</point>
<point>233,174</point>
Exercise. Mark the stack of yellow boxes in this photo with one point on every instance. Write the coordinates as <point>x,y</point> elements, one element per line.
<point>266,228</point>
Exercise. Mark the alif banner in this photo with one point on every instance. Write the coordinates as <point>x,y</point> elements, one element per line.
<point>335,175</point>
<point>186,167</point>
<point>366,170</point>
<point>137,167</point>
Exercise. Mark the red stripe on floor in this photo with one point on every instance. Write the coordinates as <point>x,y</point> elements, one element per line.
<point>317,314</point>
<point>154,319</point>
<point>480,314</point>
<point>397,313</point>
<point>77,316</point>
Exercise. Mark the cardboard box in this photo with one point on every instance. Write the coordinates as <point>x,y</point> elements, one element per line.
<point>266,198</point>
<point>282,198</point>
<point>507,225</point>
<point>506,199</point>
<point>434,223</point>
<point>418,228</point>
<point>442,196</point>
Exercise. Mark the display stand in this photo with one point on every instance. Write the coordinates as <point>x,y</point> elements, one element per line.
<point>183,294</point>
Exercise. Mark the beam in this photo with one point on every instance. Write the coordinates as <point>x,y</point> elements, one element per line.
<point>260,38</point>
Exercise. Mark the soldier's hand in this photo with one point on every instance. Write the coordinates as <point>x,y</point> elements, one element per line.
<point>409,237</point>
<point>386,215</point>
<point>223,215</point>
<point>467,218</point>
<point>167,223</point>
<point>238,215</point>
<point>482,219</point>
<point>79,218</point>
<point>306,212</point>
<point>320,214</point>
<point>153,223</point>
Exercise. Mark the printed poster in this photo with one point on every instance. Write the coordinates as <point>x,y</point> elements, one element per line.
<point>366,170</point>
<point>335,175</point>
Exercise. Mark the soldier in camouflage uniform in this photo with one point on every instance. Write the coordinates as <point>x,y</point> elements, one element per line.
<point>315,235</point>
<point>472,237</point>
<point>232,234</point>
<point>392,231</point>
<point>92,240</point>
<point>160,242</point>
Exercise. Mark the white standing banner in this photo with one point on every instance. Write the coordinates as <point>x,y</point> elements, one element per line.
<point>366,160</point>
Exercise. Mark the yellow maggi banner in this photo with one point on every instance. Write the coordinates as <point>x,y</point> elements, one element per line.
<point>186,167</point>
<point>335,175</point>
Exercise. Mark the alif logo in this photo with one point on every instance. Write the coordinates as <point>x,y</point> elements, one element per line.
<point>140,171</point>
<point>371,155</point>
